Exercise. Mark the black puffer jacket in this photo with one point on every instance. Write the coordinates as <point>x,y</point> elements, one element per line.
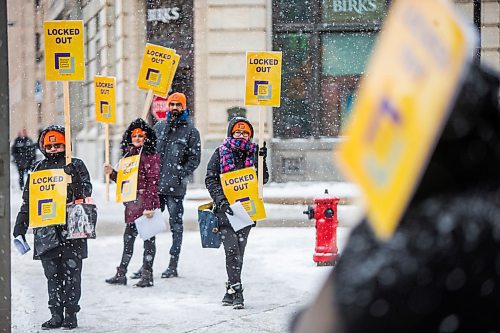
<point>23,151</point>
<point>440,272</point>
<point>179,147</point>
<point>79,188</point>
<point>212,178</point>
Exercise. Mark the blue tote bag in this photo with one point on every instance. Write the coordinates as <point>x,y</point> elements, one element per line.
<point>209,226</point>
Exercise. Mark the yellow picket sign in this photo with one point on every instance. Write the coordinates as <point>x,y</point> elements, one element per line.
<point>263,78</point>
<point>175,63</point>
<point>402,105</point>
<point>64,57</point>
<point>105,100</point>
<point>241,185</point>
<point>155,69</point>
<point>126,180</point>
<point>47,204</point>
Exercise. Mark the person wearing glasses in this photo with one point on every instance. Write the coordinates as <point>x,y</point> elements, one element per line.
<point>61,258</point>
<point>139,138</point>
<point>236,152</point>
<point>180,150</point>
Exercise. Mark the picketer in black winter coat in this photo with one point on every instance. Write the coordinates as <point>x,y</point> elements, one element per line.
<point>237,150</point>
<point>62,263</point>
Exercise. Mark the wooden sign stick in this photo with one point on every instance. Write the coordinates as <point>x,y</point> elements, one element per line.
<point>106,155</point>
<point>67,125</point>
<point>147,104</point>
<point>260,176</point>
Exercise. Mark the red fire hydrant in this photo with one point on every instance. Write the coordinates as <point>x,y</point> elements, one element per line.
<point>324,211</point>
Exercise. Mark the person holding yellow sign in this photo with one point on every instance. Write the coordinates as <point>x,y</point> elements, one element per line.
<point>237,152</point>
<point>44,209</point>
<point>138,139</point>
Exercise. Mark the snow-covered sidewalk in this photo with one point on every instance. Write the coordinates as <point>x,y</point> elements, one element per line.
<point>279,277</point>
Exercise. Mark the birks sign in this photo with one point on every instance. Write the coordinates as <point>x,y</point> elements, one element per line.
<point>353,11</point>
<point>356,6</point>
<point>164,15</point>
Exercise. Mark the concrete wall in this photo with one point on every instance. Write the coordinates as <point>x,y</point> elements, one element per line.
<point>223,31</point>
<point>114,44</point>
<point>21,39</point>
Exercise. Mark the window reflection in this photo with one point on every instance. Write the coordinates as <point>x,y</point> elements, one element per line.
<point>293,118</point>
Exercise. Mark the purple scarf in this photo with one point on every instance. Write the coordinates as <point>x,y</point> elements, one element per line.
<point>227,157</point>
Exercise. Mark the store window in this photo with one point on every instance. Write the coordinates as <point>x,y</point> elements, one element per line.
<point>326,45</point>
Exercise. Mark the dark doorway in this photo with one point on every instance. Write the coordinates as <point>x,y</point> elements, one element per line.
<point>170,24</point>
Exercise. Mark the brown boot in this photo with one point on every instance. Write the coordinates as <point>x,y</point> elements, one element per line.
<point>146,279</point>
<point>119,277</point>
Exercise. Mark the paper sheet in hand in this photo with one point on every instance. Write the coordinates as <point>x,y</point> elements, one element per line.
<point>149,227</point>
<point>240,219</point>
<point>21,246</point>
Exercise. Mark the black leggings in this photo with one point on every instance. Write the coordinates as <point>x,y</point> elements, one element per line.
<point>234,247</point>
<point>148,257</point>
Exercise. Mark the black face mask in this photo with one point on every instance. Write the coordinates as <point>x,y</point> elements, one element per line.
<point>56,156</point>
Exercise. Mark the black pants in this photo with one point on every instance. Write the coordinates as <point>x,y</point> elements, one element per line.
<point>22,172</point>
<point>234,247</point>
<point>175,208</point>
<point>148,257</point>
<point>64,282</point>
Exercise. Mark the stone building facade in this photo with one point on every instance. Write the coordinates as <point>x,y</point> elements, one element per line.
<point>212,37</point>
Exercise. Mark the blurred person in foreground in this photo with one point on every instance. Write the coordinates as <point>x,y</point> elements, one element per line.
<point>179,147</point>
<point>440,271</point>
<point>61,258</point>
<point>236,152</point>
<point>23,152</point>
<point>139,138</point>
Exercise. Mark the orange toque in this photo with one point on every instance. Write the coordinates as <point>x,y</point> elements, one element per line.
<point>52,137</point>
<point>138,131</point>
<point>177,97</point>
<point>242,126</point>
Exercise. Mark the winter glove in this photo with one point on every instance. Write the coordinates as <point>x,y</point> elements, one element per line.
<point>225,208</point>
<point>263,151</point>
<point>70,169</point>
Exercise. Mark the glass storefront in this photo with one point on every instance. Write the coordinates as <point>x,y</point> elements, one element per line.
<point>326,45</point>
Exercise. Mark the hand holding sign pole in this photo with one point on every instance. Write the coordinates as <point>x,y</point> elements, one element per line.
<point>263,88</point>
<point>105,111</point>
<point>157,72</point>
<point>64,61</point>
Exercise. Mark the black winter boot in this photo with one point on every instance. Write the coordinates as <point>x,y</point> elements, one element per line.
<point>56,320</point>
<point>69,321</point>
<point>137,275</point>
<point>171,271</point>
<point>238,296</point>
<point>229,296</point>
<point>146,279</point>
<point>119,278</point>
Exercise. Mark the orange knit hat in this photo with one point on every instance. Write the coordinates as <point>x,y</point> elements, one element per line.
<point>138,131</point>
<point>242,126</point>
<point>52,137</point>
<point>177,97</point>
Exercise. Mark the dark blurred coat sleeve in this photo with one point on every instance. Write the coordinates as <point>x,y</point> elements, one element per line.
<point>212,179</point>
<point>80,185</point>
<point>22,220</point>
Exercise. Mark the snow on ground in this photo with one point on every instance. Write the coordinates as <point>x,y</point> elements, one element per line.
<point>279,275</point>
